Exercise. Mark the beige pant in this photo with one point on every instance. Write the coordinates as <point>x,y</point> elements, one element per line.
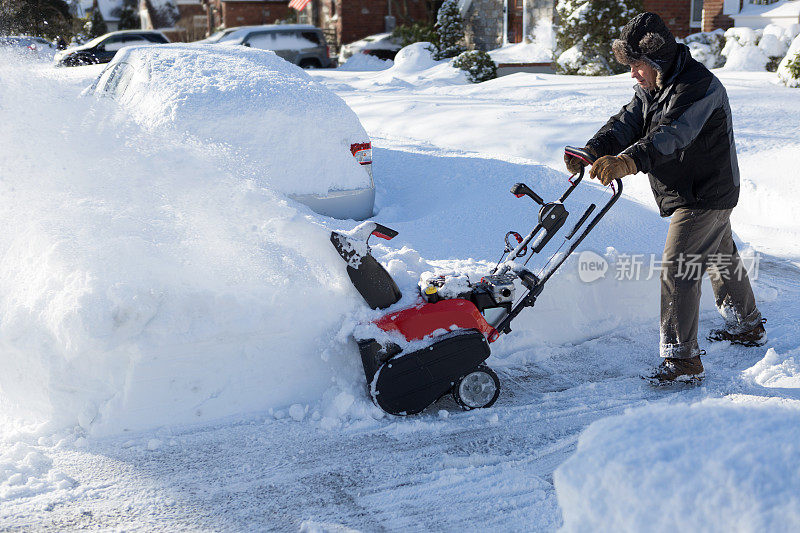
<point>699,241</point>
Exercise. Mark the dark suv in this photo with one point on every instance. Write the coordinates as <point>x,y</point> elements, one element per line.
<point>301,44</point>
<point>104,48</point>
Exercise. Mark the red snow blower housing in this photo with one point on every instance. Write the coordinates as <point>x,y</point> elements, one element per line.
<point>447,330</point>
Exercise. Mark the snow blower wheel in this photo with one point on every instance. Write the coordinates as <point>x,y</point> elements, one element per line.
<point>478,389</point>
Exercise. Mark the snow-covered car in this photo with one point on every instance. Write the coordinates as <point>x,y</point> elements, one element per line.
<point>381,45</point>
<point>32,46</point>
<point>301,44</point>
<point>103,49</point>
<point>282,129</point>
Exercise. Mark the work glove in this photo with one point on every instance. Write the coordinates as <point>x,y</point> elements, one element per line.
<point>575,164</point>
<point>610,167</point>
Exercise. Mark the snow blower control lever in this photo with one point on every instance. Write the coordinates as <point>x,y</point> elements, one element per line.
<point>520,189</point>
<point>442,341</point>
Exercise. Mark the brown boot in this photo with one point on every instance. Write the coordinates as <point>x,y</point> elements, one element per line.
<point>756,336</point>
<point>677,370</point>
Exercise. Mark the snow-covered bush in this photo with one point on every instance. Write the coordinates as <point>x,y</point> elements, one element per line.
<point>585,30</point>
<point>789,68</point>
<point>706,47</point>
<point>477,64</point>
<point>749,49</point>
<point>746,58</point>
<point>449,31</point>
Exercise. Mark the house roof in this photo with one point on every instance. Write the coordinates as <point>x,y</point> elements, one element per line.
<point>783,9</point>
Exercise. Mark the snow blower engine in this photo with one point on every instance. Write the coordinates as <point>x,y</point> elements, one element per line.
<point>448,331</point>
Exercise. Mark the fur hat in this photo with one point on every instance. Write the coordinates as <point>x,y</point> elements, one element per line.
<point>646,38</point>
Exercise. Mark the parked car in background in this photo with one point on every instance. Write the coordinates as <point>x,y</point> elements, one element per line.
<point>216,36</point>
<point>30,46</point>
<point>301,44</point>
<point>285,130</point>
<point>103,49</point>
<point>381,45</point>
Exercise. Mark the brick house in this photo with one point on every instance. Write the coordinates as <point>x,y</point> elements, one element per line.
<point>492,23</point>
<point>179,20</point>
<point>487,28</point>
<point>343,21</point>
<point>230,13</point>
<point>690,16</point>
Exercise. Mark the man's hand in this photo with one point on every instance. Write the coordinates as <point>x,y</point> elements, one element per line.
<point>610,167</point>
<point>575,164</point>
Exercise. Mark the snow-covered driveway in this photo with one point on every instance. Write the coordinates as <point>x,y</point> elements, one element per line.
<point>444,158</point>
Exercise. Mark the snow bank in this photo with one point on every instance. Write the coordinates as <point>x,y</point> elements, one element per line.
<point>146,280</point>
<point>282,128</point>
<point>366,62</point>
<point>717,465</point>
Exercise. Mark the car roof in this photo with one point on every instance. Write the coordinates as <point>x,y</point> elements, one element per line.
<point>119,32</point>
<point>278,27</point>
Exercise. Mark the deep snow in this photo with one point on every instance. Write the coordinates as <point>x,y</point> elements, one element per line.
<point>261,309</point>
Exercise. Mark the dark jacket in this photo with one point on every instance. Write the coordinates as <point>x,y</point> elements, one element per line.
<point>682,136</point>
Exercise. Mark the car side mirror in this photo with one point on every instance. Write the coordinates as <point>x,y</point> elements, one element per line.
<point>246,44</point>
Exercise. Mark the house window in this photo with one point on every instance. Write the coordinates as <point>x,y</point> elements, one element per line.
<point>696,20</point>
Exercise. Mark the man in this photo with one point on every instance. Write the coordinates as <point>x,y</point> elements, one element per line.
<point>678,129</point>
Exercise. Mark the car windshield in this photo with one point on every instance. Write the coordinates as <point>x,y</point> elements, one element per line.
<point>216,36</point>
<point>94,42</point>
<point>231,36</point>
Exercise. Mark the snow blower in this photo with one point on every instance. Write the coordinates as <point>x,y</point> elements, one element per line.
<point>448,330</point>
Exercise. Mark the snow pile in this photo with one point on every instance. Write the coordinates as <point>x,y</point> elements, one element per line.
<point>522,53</point>
<point>25,472</point>
<point>365,62</point>
<point>776,370</point>
<point>717,465</point>
<point>793,54</point>
<point>414,58</point>
<point>415,65</point>
<point>281,127</point>
<point>145,279</point>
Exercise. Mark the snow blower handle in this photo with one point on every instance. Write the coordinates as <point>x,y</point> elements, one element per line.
<point>580,153</point>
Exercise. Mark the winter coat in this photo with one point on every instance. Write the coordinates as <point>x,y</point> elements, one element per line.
<point>682,136</point>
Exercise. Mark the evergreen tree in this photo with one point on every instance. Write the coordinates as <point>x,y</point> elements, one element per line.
<point>478,65</point>
<point>449,31</point>
<point>128,17</point>
<point>584,33</point>
<point>46,18</point>
<point>96,26</point>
